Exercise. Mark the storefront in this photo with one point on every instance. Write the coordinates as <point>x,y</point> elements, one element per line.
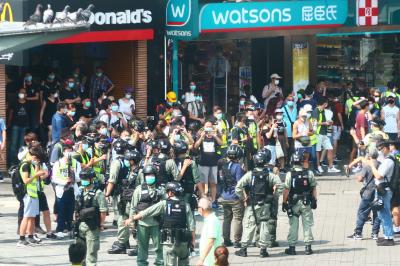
<point>303,41</point>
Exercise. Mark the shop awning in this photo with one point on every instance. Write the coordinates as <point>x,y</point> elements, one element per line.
<point>15,37</point>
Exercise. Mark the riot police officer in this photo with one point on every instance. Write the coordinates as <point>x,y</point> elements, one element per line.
<point>119,171</point>
<point>231,173</point>
<point>184,170</point>
<point>178,225</point>
<point>257,188</point>
<point>91,211</point>
<point>299,197</point>
<point>144,196</point>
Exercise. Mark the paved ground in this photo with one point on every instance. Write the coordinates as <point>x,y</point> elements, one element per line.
<point>334,220</point>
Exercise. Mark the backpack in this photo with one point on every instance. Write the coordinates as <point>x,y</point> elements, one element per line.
<point>18,185</point>
<point>394,183</point>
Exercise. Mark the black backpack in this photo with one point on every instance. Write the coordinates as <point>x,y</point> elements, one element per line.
<point>394,183</point>
<point>18,186</point>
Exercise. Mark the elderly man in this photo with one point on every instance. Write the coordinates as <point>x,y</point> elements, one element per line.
<point>211,235</point>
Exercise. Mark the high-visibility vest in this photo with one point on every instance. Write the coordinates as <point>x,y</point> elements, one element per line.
<point>313,137</point>
<point>84,157</point>
<point>63,170</point>
<point>349,104</point>
<point>253,134</point>
<point>32,187</point>
<point>98,168</point>
<point>224,133</point>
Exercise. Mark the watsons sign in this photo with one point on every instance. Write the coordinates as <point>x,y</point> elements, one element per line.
<point>182,19</point>
<point>137,16</point>
<point>272,15</point>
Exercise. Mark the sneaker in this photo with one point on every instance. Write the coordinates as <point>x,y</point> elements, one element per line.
<point>33,241</point>
<point>51,236</point>
<point>60,235</point>
<point>317,172</point>
<point>320,169</point>
<point>374,236</point>
<point>333,170</point>
<point>22,243</point>
<point>115,223</point>
<point>228,243</point>
<point>386,243</point>
<point>355,236</point>
<point>1,179</point>
<point>338,159</point>
<point>323,163</point>
<point>356,170</point>
<point>37,238</point>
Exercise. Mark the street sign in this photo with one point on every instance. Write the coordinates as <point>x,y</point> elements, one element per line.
<point>182,19</point>
<point>367,12</point>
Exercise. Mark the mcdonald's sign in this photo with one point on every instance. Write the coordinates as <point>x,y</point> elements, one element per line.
<point>7,10</point>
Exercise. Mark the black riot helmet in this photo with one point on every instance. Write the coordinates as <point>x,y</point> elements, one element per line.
<point>174,187</point>
<point>137,125</point>
<point>267,152</point>
<point>165,146</point>
<point>261,159</point>
<point>180,147</point>
<point>120,146</point>
<point>149,169</point>
<point>234,152</point>
<point>154,144</point>
<point>86,174</point>
<point>297,158</point>
<point>194,126</point>
<point>133,155</point>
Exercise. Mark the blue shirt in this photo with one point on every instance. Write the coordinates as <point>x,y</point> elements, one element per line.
<point>293,117</point>
<point>236,172</point>
<point>2,128</point>
<point>58,123</point>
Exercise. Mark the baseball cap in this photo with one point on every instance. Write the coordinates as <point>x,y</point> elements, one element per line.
<point>275,76</point>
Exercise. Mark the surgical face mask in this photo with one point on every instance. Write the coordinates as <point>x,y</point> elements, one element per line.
<point>218,116</point>
<point>34,163</point>
<point>128,96</point>
<point>65,111</point>
<point>308,115</point>
<point>21,95</point>
<point>76,75</point>
<point>192,87</point>
<point>290,103</point>
<point>276,82</point>
<point>241,102</point>
<point>85,183</point>
<point>150,179</point>
<point>371,106</point>
<point>377,99</point>
<point>85,146</point>
<point>103,131</point>
<point>251,117</point>
<point>28,78</point>
<point>279,117</point>
<point>71,85</point>
<point>71,113</point>
<point>55,95</point>
<point>177,137</point>
<point>114,108</point>
<point>88,104</point>
<point>197,98</point>
<point>51,77</point>
<point>99,74</point>
<point>299,96</point>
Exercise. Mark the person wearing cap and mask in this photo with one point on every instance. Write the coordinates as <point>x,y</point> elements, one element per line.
<point>32,100</point>
<point>164,109</point>
<point>289,117</point>
<point>391,115</point>
<point>86,111</point>
<point>192,103</point>
<point>48,86</point>
<point>302,130</point>
<point>145,196</point>
<point>91,211</point>
<point>111,116</point>
<point>272,90</point>
<point>65,177</point>
<point>127,104</point>
<point>68,93</point>
<point>222,126</point>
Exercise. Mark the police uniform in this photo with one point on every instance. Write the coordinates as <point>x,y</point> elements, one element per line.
<point>145,196</point>
<point>124,182</point>
<point>178,225</point>
<point>300,183</point>
<point>259,184</point>
<point>89,228</point>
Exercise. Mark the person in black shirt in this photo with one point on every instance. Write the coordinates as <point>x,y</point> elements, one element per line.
<point>208,163</point>
<point>19,123</point>
<point>69,93</point>
<point>32,100</point>
<point>49,85</point>
<point>86,110</point>
<point>49,108</point>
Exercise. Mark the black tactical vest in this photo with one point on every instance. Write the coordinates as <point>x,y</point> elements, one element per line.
<point>175,215</point>
<point>129,185</point>
<point>89,213</point>
<point>187,180</point>
<point>260,187</point>
<point>300,182</point>
<point>229,179</point>
<point>145,199</point>
<point>163,177</point>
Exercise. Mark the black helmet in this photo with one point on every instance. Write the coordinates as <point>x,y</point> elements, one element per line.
<point>137,125</point>
<point>154,144</point>
<point>297,158</point>
<point>120,146</point>
<point>86,174</point>
<point>180,147</point>
<point>194,126</point>
<point>234,152</point>
<point>267,153</point>
<point>133,155</point>
<point>149,169</point>
<point>92,138</point>
<point>261,159</point>
<point>174,187</point>
<point>165,146</point>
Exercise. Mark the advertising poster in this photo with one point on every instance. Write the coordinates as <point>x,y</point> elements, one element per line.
<point>300,66</point>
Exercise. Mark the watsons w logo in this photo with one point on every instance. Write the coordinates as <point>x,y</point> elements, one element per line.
<point>272,15</point>
<point>178,12</point>
<point>127,17</point>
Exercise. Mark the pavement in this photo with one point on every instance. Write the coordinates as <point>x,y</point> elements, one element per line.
<point>334,220</point>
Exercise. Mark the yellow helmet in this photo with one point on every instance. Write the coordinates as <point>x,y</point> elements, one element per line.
<point>171,97</point>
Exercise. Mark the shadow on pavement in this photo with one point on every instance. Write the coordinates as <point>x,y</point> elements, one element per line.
<point>337,250</point>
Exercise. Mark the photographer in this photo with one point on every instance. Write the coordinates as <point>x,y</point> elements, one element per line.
<point>209,142</point>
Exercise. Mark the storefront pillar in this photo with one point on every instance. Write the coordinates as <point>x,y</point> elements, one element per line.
<point>141,79</point>
<point>175,66</point>
<point>3,163</point>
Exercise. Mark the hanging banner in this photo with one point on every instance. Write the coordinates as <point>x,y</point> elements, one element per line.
<point>258,16</point>
<point>367,12</point>
<point>300,66</point>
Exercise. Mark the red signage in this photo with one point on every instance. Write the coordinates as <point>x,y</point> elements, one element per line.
<point>367,12</point>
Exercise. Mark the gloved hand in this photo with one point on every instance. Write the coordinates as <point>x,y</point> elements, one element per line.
<point>313,203</point>
<point>285,206</point>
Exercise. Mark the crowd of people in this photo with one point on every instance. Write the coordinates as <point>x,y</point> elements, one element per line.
<point>158,174</point>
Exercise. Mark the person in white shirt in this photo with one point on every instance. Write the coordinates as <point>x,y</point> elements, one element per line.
<point>390,113</point>
<point>127,104</point>
<point>272,90</point>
